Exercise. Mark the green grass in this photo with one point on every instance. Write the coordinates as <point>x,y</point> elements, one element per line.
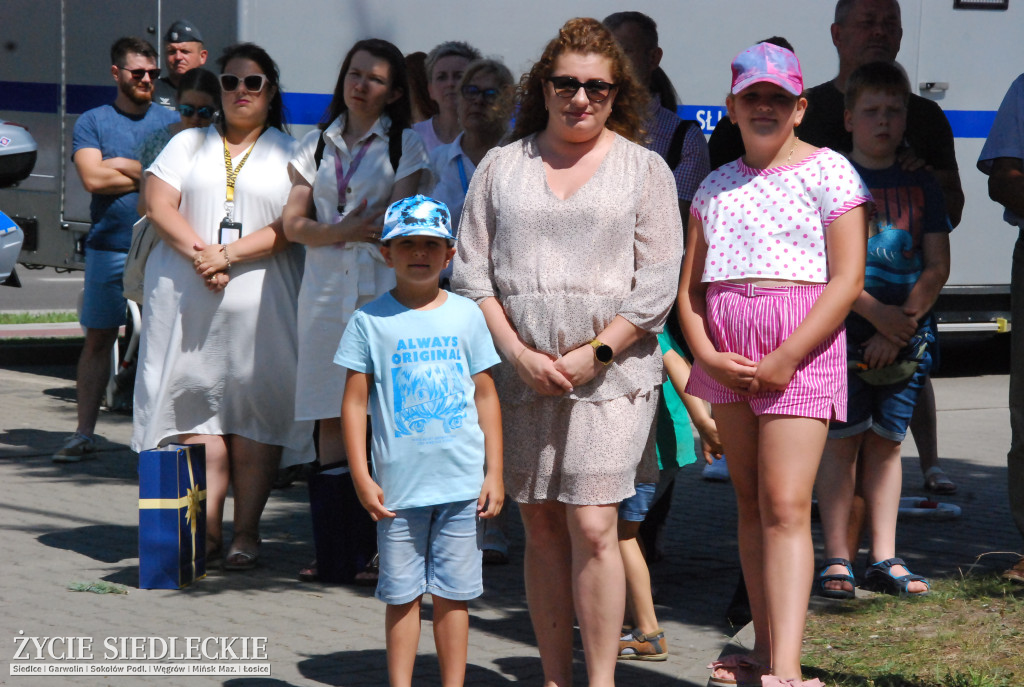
<point>37,318</point>
<point>968,633</point>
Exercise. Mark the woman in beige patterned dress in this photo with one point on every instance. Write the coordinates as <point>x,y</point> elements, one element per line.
<point>571,241</point>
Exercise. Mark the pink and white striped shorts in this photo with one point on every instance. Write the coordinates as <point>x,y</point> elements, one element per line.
<point>753,321</point>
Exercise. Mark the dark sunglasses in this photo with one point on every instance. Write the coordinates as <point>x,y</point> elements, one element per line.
<point>569,86</point>
<point>140,74</point>
<point>253,82</point>
<point>490,95</point>
<point>204,112</point>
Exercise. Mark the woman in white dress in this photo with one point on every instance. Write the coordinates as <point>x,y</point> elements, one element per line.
<point>369,158</point>
<point>571,241</point>
<point>218,349</point>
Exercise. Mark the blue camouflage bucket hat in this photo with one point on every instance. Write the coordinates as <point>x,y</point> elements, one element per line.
<point>418,216</point>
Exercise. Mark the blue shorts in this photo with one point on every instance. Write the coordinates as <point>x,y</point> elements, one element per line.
<point>887,409</point>
<point>635,508</point>
<point>103,305</point>
<point>433,549</point>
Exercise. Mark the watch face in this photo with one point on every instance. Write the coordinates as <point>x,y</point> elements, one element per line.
<point>604,353</point>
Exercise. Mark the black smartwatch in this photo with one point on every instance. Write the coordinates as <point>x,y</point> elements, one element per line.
<point>602,352</point>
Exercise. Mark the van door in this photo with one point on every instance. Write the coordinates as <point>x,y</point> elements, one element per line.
<point>966,59</point>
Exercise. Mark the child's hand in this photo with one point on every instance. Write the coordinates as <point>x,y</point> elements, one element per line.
<point>917,305</point>
<point>492,497</point>
<point>711,444</point>
<point>880,351</point>
<point>773,372</point>
<point>579,366</point>
<point>894,324</point>
<point>372,498</point>
<point>731,370</point>
<point>540,374</point>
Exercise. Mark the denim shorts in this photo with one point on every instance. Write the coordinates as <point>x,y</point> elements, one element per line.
<point>432,549</point>
<point>103,305</point>
<point>886,410</point>
<point>635,507</point>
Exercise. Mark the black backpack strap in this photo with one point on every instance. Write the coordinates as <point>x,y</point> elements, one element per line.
<point>675,146</point>
<point>394,151</point>
<point>395,148</point>
<point>318,155</point>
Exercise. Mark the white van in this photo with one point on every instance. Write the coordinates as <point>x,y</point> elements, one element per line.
<point>961,53</point>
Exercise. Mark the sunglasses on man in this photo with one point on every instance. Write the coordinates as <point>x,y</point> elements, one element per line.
<point>569,86</point>
<point>253,82</point>
<point>204,112</point>
<point>490,95</point>
<point>140,74</point>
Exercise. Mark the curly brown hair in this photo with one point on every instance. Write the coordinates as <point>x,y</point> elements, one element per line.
<point>584,36</point>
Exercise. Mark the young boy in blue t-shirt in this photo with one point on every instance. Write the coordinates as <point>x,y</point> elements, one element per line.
<point>889,337</point>
<point>418,360</point>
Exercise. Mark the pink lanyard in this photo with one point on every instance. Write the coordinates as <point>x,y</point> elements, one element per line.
<point>343,177</point>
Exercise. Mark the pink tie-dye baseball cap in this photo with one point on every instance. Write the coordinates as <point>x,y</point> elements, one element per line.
<point>767,62</point>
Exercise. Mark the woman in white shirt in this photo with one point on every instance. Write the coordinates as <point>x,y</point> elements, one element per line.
<point>368,158</point>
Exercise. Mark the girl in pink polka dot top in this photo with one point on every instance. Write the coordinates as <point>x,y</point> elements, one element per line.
<point>774,260</point>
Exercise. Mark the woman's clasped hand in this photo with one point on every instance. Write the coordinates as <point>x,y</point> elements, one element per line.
<point>541,373</point>
<point>212,264</point>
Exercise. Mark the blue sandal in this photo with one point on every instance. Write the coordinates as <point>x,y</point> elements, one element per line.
<point>879,578</point>
<point>823,578</point>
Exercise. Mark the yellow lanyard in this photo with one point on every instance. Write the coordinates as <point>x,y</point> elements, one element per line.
<point>232,171</point>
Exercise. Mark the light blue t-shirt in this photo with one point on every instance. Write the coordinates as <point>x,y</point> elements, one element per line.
<point>1006,138</point>
<point>116,134</point>
<point>427,445</point>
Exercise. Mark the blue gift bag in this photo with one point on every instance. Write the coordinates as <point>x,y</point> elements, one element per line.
<point>172,516</point>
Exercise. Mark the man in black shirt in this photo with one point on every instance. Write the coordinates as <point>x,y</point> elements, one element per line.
<point>870,31</point>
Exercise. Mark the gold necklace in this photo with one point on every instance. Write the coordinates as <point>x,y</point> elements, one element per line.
<point>795,141</point>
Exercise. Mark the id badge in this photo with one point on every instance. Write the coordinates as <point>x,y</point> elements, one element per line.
<point>229,231</point>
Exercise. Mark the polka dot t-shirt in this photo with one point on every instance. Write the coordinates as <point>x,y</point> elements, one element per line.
<point>771,223</point>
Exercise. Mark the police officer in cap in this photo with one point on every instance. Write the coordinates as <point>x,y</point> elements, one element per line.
<point>183,50</point>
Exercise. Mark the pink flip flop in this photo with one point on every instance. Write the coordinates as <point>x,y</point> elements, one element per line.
<point>772,681</point>
<point>736,670</point>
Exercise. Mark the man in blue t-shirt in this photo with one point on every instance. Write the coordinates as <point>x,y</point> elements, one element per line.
<point>104,152</point>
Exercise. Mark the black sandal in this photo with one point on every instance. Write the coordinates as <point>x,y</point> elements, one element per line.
<point>879,578</point>
<point>836,577</point>
<point>368,576</point>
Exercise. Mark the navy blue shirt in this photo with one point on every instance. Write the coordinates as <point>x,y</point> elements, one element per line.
<point>115,134</point>
<point>908,205</point>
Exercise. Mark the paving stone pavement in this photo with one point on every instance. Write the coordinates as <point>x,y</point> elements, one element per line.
<point>66,523</point>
